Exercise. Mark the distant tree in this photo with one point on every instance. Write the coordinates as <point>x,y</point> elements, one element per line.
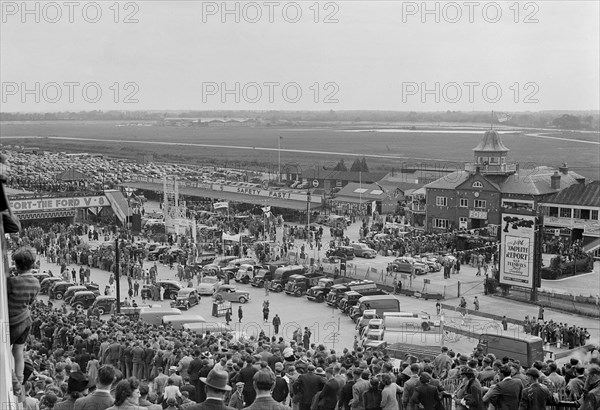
<point>356,166</point>
<point>340,166</point>
<point>363,165</point>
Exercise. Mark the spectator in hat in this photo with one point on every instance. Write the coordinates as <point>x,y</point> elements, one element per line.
<point>372,397</point>
<point>425,394</point>
<point>591,397</point>
<point>77,386</point>
<point>216,387</point>
<point>576,384</point>
<point>100,398</point>
<point>328,397</point>
<point>171,391</point>
<point>506,394</point>
<point>246,375</point>
<point>281,389</point>
<point>237,397</point>
<point>48,401</point>
<point>177,379</point>
<point>309,384</point>
<point>469,394</point>
<point>144,402</point>
<point>536,395</point>
<point>361,386</point>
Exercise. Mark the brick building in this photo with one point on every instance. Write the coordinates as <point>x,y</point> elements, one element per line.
<point>475,197</point>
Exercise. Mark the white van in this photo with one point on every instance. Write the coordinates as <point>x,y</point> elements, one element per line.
<point>155,315</point>
<point>177,321</point>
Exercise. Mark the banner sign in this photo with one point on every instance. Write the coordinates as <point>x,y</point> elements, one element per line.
<point>517,250</point>
<point>46,215</point>
<point>49,204</point>
<point>220,205</point>
<point>234,238</point>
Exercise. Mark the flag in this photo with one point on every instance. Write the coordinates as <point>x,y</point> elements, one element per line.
<point>503,116</point>
<point>220,205</point>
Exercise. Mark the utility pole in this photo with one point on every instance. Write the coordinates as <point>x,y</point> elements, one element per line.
<point>279,158</point>
<point>117,276</point>
<point>308,207</point>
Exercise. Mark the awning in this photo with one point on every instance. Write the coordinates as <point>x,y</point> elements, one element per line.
<point>46,215</point>
<point>228,196</point>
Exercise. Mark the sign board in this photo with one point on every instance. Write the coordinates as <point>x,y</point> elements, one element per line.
<point>474,214</point>
<point>315,183</point>
<point>517,250</point>
<point>50,204</point>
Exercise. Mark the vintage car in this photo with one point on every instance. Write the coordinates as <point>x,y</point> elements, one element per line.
<point>82,299</point>
<point>186,298</point>
<point>407,264</point>
<point>156,252</point>
<point>58,289</point>
<point>47,283</point>
<point>232,294</point>
<point>71,290</point>
<point>40,276</point>
<point>342,252</point>
<point>208,285</point>
<point>432,263</point>
<point>171,289</point>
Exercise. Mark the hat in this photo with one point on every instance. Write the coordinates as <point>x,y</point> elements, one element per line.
<point>217,379</point>
<point>532,372</point>
<point>425,378</point>
<point>239,384</point>
<point>467,371</point>
<point>463,359</point>
<point>171,401</point>
<point>278,367</point>
<point>173,368</point>
<point>78,382</point>
<point>320,371</point>
<point>311,368</point>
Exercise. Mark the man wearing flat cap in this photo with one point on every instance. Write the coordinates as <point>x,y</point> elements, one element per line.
<point>263,382</point>
<point>246,375</point>
<point>506,394</point>
<point>425,394</point>
<point>215,385</point>
<point>309,384</point>
<point>536,395</point>
<point>469,395</point>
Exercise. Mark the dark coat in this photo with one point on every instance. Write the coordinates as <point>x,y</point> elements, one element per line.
<point>310,384</point>
<point>506,395</point>
<point>210,404</point>
<point>329,395</point>
<point>426,395</point>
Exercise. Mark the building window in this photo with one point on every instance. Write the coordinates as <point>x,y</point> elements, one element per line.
<point>576,213</point>
<point>479,203</point>
<point>585,214</point>
<point>553,211</point>
<point>464,203</point>
<point>338,184</point>
<point>463,222</point>
<point>440,223</point>
<point>441,201</point>
<point>503,160</point>
<point>565,212</point>
<point>477,184</point>
<point>594,215</point>
<point>494,160</point>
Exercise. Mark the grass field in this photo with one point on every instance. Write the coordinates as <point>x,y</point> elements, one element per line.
<point>391,149</point>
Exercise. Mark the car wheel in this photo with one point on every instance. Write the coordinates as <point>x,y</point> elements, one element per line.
<point>431,269</point>
<point>173,296</point>
<point>279,289</point>
<point>219,298</point>
<point>78,306</point>
<point>100,311</point>
<point>243,299</point>
<point>58,296</point>
<point>245,280</point>
<point>297,293</point>
<point>320,299</point>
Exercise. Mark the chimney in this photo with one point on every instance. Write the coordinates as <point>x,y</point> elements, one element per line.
<point>555,181</point>
<point>564,169</point>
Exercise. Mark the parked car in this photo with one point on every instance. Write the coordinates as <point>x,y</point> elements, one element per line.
<point>232,294</point>
<point>71,290</point>
<point>186,298</point>
<point>407,265</point>
<point>58,289</point>
<point>40,276</point>
<point>157,252</point>
<point>342,252</point>
<point>208,285</point>
<point>47,283</point>
<point>362,250</point>
<point>171,289</point>
<point>82,300</point>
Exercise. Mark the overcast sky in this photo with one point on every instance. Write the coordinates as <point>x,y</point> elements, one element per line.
<point>344,55</point>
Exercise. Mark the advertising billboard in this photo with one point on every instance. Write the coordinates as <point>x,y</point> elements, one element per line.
<point>517,250</point>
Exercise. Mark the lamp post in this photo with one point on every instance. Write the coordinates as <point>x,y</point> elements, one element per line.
<point>117,276</point>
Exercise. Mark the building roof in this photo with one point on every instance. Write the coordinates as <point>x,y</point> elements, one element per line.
<point>365,177</point>
<point>354,192</point>
<point>579,194</point>
<point>491,142</point>
<point>535,181</point>
<point>72,175</point>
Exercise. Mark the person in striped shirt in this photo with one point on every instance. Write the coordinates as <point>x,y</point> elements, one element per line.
<point>22,290</point>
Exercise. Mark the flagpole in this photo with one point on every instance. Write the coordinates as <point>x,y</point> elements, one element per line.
<point>279,158</point>
<point>492,121</point>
